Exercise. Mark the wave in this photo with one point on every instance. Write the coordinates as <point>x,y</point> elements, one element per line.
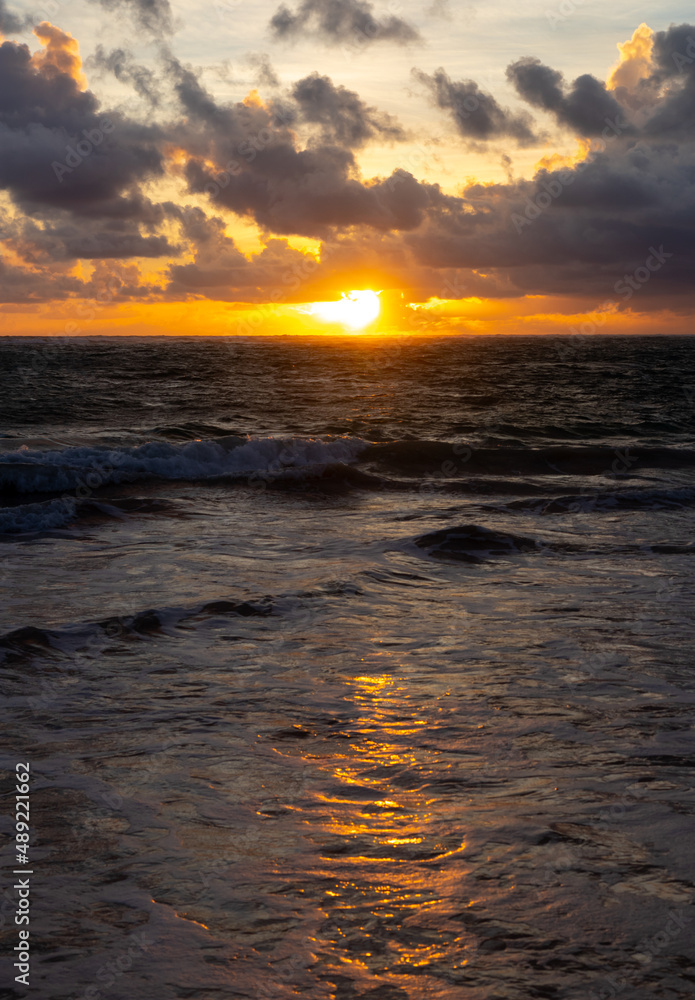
<point>85,469</point>
<point>473,543</point>
<point>35,517</point>
<point>271,461</point>
<point>476,544</point>
<point>53,515</point>
<point>25,643</point>
<point>604,501</point>
<point>192,431</point>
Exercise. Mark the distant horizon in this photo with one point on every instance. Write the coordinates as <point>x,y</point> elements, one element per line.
<point>386,335</point>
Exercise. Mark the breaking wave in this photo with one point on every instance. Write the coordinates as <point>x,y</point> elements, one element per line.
<point>85,469</point>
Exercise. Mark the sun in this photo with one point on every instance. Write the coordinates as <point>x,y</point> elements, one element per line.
<point>354,309</point>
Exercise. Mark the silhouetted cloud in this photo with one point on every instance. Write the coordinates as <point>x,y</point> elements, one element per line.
<point>58,149</point>
<point>220,270</point>
<point>247,155</point>
<point>585,107</point>
<point>477,115</point>
<point>74,166</point>
<point>673,60</point>
<point>673,52</point>
<point>345,119</point>
<point>341,22</point>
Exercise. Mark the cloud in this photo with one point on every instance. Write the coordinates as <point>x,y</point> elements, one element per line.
<point>78,244</point>
<point>477,115</point>
<point>153,16</point>
<point>632,79</point>
<point>440,8</point>
<point>290,166</point>
<point>27,285</point>
<point>578,231</point>
<point>121,63</point>
<point>341,22</point>
<point>265,74</point>
<point>635,62</point>
<point>46,119</point>
<point>673,75</point>
<point>61,53</point>
<point>219,269</point>
<point>247,158</point>
<point>345,119</point>
<point>673,53</point>
<point>585,107</point>
<point>57,238</point>
<point>10,24</point>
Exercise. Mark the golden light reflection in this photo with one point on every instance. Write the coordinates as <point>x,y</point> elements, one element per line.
<point>380,839</point>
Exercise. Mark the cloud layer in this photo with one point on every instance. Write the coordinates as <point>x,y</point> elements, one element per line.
<point>81,183</point>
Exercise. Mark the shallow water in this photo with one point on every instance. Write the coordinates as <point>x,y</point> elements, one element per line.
<point>353,670</point>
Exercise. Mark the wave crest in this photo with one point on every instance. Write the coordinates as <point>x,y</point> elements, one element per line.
<point>85,469</point>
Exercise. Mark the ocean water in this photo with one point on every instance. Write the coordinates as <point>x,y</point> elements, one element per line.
<point>351,668</point>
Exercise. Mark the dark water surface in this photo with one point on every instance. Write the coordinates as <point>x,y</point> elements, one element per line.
<point>351,668</point>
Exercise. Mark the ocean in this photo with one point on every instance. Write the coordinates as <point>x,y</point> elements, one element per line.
<point>349,667</point>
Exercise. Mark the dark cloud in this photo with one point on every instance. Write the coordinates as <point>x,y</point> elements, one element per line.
<point>56,238</point>
<point>673,57</point>
<point>153,16</point>
<point>586,107</point>
<point>574,232</point>
<point>673,53</point>
<point>539,85</point>
<point>578,231</point>
<point>195,99</point>
<point>310,192</point>
<point>59,150</point>
<point>34,284</point>
<point>73,169</point>
<point>218,263</point>
<point>121,63</point>
<point>31,98</point>
<point>478,116</point>
<point>105,244</point>
<point>10,24</point>
<point>221,271</point>
<point>345,119</point>
<point>260,172</point>
<point>50,271</point>
<point>265,75</point>
<point>341,22</point>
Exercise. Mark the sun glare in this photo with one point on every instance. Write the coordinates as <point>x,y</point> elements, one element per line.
<point>354,309</point>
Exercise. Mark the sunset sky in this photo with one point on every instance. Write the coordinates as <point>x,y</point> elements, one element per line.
<point>229,168</point>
